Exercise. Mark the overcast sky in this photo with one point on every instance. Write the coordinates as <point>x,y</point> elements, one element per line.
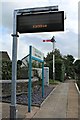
<point>66,41</point>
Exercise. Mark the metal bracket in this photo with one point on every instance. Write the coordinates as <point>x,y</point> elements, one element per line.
<point>14,35</point>
<point>37,10</point>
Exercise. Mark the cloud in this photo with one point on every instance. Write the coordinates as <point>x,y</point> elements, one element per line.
<point>68,43</point>
<point>23,49</point>
<point>6,43</point>
<point>37,42</point>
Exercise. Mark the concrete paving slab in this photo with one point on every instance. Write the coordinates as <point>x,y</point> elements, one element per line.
<point>22,111</point>
<point>72,108</point>
<point>62,103</point>
<point>56,105</point>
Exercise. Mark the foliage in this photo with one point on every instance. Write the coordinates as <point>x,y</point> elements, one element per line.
<point>6,70</point>
<point>54,82</point>
<point>36,64</point>
<point>19,63</point>
<point>77,71</point>
<point>50,55</point>
<point>23,73</point>
<point>69,65</point>
<point>58,64</point>
<point>77,67</point>
<point>63,64</point>
<point>57,54</point>
<point>59,70</point>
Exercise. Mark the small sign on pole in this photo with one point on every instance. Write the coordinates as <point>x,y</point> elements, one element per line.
<point>38,54</point>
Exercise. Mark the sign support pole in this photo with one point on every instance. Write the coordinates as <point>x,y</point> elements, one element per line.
<point>29,83</point>
<point>14,71</point>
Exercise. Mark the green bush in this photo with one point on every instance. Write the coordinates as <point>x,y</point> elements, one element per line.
<point>51,70</point>
<point>77,71</point>
<point>59,70</point>
<point>54,82</point>
<point>6,70</point>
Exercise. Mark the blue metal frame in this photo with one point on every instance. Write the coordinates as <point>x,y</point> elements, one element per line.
<point>43,79</point>
<point>30,75</point>
<point>37,59</point>
<point>29,83</point>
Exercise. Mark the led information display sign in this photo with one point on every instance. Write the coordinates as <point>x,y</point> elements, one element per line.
<point>41,22</point>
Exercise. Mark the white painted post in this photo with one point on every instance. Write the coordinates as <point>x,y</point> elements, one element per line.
<point>53,40</point>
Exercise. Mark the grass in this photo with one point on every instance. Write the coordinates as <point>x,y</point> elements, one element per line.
<point>54,82</point>
<point>51,81</point>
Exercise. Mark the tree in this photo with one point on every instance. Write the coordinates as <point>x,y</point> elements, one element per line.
<point>77,71</point>
<point>59,70</point>
<point>69,65</point>
<point>77,67</point>
<point>49,63</point>
<point>6,70</point>
<point>19,63</point>
<point>57,54</point>
<point>50,55</point>
<point>58,65</point>
<point>36,64</point>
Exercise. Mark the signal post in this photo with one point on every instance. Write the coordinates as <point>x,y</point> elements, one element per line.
<point>53,41</point>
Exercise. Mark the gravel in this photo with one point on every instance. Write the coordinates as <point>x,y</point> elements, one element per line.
<point>36,96</point>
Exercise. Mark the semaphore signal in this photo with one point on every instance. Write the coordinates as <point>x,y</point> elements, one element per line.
<point>52,40</point>
<point>47,41</point>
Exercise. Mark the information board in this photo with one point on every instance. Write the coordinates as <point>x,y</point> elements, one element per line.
<point>38,54</point>
<point>41,22</point>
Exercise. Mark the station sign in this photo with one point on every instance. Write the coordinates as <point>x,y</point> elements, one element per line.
<point>37,54</point>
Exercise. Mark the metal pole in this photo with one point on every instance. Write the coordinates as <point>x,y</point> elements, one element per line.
<point>29,83</point>
<point>14,71</point>
<point>53,60</point>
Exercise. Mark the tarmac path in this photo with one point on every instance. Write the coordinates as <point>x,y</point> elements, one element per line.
<point>62,103</point>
